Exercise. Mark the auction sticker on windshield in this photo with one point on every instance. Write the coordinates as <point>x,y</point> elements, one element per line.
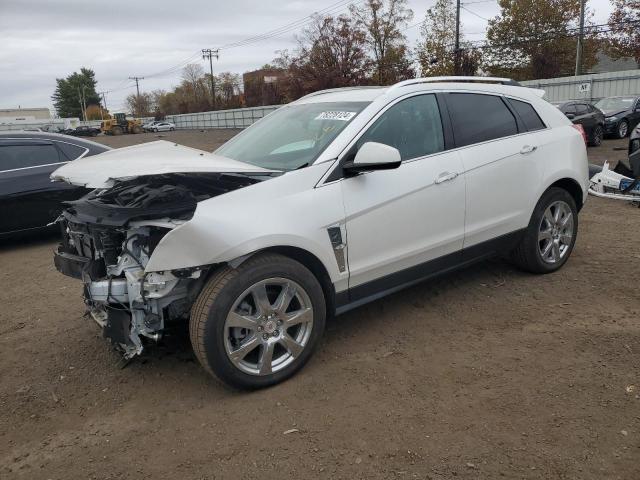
<point>343,116</point>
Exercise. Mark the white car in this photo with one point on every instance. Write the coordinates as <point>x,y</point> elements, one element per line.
<point>327,203</point>
<point>149,125</point>
<point>162,127</point>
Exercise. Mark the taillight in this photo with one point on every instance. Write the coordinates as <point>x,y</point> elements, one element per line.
<point>580,128</point>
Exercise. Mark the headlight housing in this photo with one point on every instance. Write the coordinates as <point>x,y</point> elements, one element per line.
<point>611,119</point>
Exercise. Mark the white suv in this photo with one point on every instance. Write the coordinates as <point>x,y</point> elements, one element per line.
<point>328,203</point>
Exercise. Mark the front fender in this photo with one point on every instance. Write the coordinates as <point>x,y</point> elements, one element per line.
<point>191,246</point>
<point>286,211</point>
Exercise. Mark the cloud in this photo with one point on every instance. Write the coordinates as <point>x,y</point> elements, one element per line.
<point>43,39</point>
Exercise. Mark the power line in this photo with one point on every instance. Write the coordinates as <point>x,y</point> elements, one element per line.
<point>175,68</point>
<point>474,13</point>
<point>330,10</point>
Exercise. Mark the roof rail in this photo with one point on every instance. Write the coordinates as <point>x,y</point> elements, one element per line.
<point>332,90</point>
<point>458,79</point>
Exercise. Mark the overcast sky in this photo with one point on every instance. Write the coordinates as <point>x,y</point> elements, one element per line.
<point>47,39</point>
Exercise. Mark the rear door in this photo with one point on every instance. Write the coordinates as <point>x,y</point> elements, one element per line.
<point>585,118</point>
<point>499,156</point>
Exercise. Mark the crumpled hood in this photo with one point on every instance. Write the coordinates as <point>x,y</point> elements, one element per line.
<point>153,158</point>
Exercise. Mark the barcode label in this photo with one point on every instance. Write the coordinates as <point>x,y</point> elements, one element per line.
<point>342,116</point>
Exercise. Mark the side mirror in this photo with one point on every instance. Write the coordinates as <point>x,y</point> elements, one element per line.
<point>570,116</point>
<point>373,156</point>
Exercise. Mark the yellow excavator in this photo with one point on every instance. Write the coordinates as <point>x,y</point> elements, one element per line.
<point>120,124</point>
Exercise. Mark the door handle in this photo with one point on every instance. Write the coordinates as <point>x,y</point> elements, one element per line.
<point>445,177</point>
<point>528,149</point>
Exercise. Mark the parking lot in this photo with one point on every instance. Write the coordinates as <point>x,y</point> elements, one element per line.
<point>484,373</point>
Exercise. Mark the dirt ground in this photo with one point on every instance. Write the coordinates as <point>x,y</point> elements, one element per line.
<point>485,373</point>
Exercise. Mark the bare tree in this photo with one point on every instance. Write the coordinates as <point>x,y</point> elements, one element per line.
<point>139,105</point>
<point>332,53</point>
<point>435,50</point>
<point>383,22</point>
<point>624,40</point>
<point>194,88</point>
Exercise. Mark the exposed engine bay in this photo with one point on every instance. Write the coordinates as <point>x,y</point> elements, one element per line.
<point>108,237</point>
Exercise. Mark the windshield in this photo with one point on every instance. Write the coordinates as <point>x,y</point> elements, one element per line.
<point>292,136</point>
<point>615,103</point>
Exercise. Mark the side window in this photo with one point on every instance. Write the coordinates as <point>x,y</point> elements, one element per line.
<point>570,109</point>
<point>581,109</point>
<point>27,155</point>
<point>413,126</point>
<point>528,115</point>
<point>70,151</point>
<point>477,118</point>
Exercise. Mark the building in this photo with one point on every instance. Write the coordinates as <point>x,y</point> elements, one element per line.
<point>24,114</point>
<point>263,87</point>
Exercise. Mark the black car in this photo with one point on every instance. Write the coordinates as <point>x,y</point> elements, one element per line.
<point>587,115</point>
<point>634,142</point>
<point>82,131</point>
<point>29,200</point>
<point>621,114</point>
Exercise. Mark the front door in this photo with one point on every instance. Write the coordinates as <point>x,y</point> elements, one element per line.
<point>407,223</point>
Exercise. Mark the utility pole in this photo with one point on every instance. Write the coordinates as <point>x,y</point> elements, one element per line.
<point>84,102</point>
<point>456,53</point>
<point>208,53</point>
<point>83,112</point>
<point>137,79</point>
<point>103,107</point>
<point>580,38</point>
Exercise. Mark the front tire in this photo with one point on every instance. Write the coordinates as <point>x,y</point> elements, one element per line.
<point>551,235</point>
<point>623,129</point>
<point>257,325</point>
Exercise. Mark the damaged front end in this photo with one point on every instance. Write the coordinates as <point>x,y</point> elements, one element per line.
<point>108,237</point>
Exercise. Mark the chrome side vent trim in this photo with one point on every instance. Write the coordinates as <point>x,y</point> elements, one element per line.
<point>335,236</point>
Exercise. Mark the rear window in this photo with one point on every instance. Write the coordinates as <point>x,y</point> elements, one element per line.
<point>528,115</point>
<point>478,118</point>
<point>70,151</point>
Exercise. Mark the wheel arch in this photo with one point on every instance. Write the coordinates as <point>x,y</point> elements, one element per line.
<point>572,187</point>
<point>311,262</point>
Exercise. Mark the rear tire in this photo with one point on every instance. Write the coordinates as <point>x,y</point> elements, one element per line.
<point>257,325</point>
<point>597,136</point>
<point>551,235</point>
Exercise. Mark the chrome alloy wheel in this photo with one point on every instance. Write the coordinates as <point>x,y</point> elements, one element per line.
<point>623,129</point>
<point>268,326</point>
<point>555,234</point>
